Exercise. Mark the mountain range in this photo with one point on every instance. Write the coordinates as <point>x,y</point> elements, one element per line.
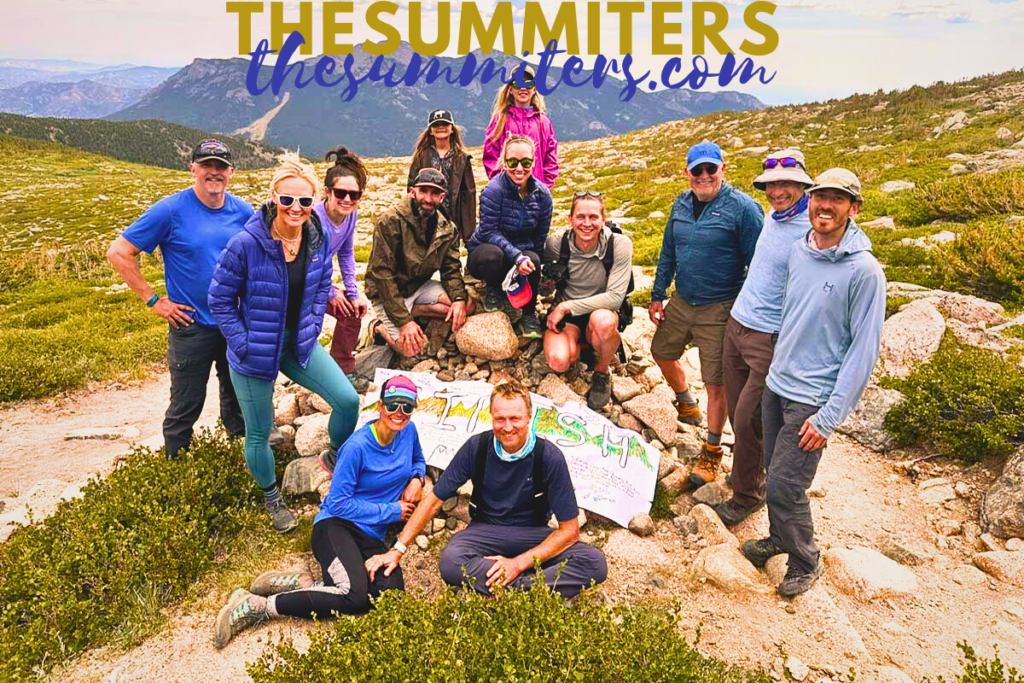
<point>211,94</point>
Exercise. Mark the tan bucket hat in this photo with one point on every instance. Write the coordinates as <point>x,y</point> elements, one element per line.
<point>784,165</point>
<point>839,179</point>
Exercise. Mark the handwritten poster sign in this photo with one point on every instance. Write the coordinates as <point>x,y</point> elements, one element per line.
<point>613,469</point>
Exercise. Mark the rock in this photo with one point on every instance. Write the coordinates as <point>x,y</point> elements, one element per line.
<point>640,332</point>
<point>1004,133</point>
<point>287,410</point>
<point>103,433</point>
<point>726,568</point>
<point>901,551</point>
<point>710,494</point>
<point>319,403</point>
<point>886,674</point>
<point>627,421</point>
<point>636,164</point>
<point>437,332</point>
<point>910,337</point>
<point>428,365</point>
<point>753,151</point>
<point>657,412</point>
<point>710,527</point>
<point>656,214</point>
<point>864,425</point>
<point>685,524</point>
<point>676,481</point>
<point>956,121</point>
<point>312,437</point>
<point>487,335</point>
<point>959,169</point>
<point>288,432</point>
<point>1015,221</point>
<point>371,358</point>
<point>666,466</point>
<point>642,524</point>
<point>422,542</point>
<point>966,575</point>
<point>539,364</point>
<point>896,186</point>
<point>884,223</point>
<point>300,476</point>
<point>990,543</point>
<point>936,495</point>
<point>1015,544</point>
<point>1004,565</point>
<point>797,669</point>
<point>867,575</point>
<point>947,527</point>
<point>625,388</point>
<point>971,309</point>
<point>956,156</point>
<point>558,391</point>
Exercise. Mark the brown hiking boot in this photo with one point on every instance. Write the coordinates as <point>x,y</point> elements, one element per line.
<point>690,414</point>
<point>706,469</point>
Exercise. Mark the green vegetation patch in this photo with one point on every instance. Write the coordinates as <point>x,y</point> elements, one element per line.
<point>987,261</point>
<point>519,636</point>
<point>135,543</point>
<point>968,402</point>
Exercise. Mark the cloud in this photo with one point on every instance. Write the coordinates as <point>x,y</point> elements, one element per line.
<point>955,11</point>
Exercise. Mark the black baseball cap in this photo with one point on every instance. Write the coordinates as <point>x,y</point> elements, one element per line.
<point>441,116</point>
<point>212,149</point>
<point>432,177</point>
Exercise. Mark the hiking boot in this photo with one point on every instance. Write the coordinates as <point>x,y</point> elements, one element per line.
<point>242,611</point>
<point>272,583</point>
<point>689,413</point>
<point>531,327</point>
<point>795,584</point>
<point>494,299</point>
<point>706,469</point>
<point>281,517</point>
<point>600,391</point>
<point>328,459</point>
<point>760,551</point>
<point>732,513</point>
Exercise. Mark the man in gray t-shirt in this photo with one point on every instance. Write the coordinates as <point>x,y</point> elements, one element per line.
<point>589,295</point>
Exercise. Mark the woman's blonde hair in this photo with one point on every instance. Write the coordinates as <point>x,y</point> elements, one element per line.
<point>291,165</point>
<point>504,100</point>
<point>518,140</point>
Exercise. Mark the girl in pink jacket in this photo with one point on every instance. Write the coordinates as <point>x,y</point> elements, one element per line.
<point>520,111</point>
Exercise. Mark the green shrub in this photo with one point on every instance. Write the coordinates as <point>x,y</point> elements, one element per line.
<point>520,636</point>
<point>987,261</point>
<point>137,539</point>
<point>977,670</point>
<point>893,303</point>
<point>968,402</point>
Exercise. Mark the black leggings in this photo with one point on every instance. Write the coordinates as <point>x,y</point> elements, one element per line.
<point>489,263</point>
<point>340,548</point>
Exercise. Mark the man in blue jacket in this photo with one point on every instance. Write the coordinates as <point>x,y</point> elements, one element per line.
<point>191,227</point>
<point>709,242</point>
<point>828,344</point>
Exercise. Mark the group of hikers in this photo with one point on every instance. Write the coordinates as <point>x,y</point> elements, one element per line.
<point>785,310</point>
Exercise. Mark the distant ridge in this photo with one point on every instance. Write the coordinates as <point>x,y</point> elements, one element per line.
<point>156,143</point>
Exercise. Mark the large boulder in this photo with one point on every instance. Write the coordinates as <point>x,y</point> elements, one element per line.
<point>867,574</point>
<point>657,412</point>
<point>1004,565</point>
<point>489,336</point>
<point>711,528</point>
<point>726,568</point>
<point>1002,509</point>
<point>640,332</point>
<point>558,391</point>
<point>955,121</point>
<point>971,309</point>
<point>864,425</point>
<point>301,476</point>
<point>287,410</point>
<point>910,337</point>
<point>313,437</point>
<point>371,358</point>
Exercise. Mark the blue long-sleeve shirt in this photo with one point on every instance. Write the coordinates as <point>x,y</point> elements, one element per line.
<point>369,479</point>
<point>708,257</point>
<point>831,327</point>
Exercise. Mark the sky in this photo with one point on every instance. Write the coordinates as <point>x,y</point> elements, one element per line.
<point>827,48</point>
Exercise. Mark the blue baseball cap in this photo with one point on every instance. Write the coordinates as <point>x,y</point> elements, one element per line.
<point>704,153</point>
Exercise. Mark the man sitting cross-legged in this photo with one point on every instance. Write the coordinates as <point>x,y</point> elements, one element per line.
<point>595,267</point>
<point>518,480</point>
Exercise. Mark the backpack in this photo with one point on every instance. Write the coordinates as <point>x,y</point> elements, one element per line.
<point>626,309</point>
<point>541,507</point>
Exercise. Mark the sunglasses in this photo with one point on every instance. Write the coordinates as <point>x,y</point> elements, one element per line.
<point>287,200</point>
<point>341,194</point>
<point>588,193</point>
<point>391,406</point>
<point>784,162</point>
<point>700,170</point>
<point>527,164</point>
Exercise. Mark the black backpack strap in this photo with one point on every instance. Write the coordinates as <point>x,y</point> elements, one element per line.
<point>609,255</point>
<point>541,502</point>
<point>479,470</point>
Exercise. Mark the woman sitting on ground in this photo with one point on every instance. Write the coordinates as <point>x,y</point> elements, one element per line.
<point>440,146</point>
<point>515,218</point>
<point>378,480</point>
<point>268,296</point>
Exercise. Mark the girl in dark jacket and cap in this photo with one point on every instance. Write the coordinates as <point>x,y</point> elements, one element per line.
<point>440,146</point>
<point>268,296</point>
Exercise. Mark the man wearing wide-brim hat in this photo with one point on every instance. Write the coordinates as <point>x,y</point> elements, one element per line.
<point>828,344</point>
<point>754,324</point>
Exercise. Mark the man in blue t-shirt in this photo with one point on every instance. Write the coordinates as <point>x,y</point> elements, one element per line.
<point>518,482</point>
<point>191,227</point>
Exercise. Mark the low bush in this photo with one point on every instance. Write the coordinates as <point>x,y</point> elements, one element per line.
<point>133,544</point>
<point>519,636</point>
<point>968,402</point>
<point>988,261</point>
<point>978,670</point>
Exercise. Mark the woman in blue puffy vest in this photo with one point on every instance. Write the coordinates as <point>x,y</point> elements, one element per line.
<point>268,295</point>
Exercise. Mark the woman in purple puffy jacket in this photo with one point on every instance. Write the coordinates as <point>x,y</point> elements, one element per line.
<point>520,111</point>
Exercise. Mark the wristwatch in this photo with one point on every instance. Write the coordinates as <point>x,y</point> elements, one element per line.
<point>400,547</point>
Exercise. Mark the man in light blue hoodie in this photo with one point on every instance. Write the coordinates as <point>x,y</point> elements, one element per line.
<point>828,344</point>
<point>754,326</point>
